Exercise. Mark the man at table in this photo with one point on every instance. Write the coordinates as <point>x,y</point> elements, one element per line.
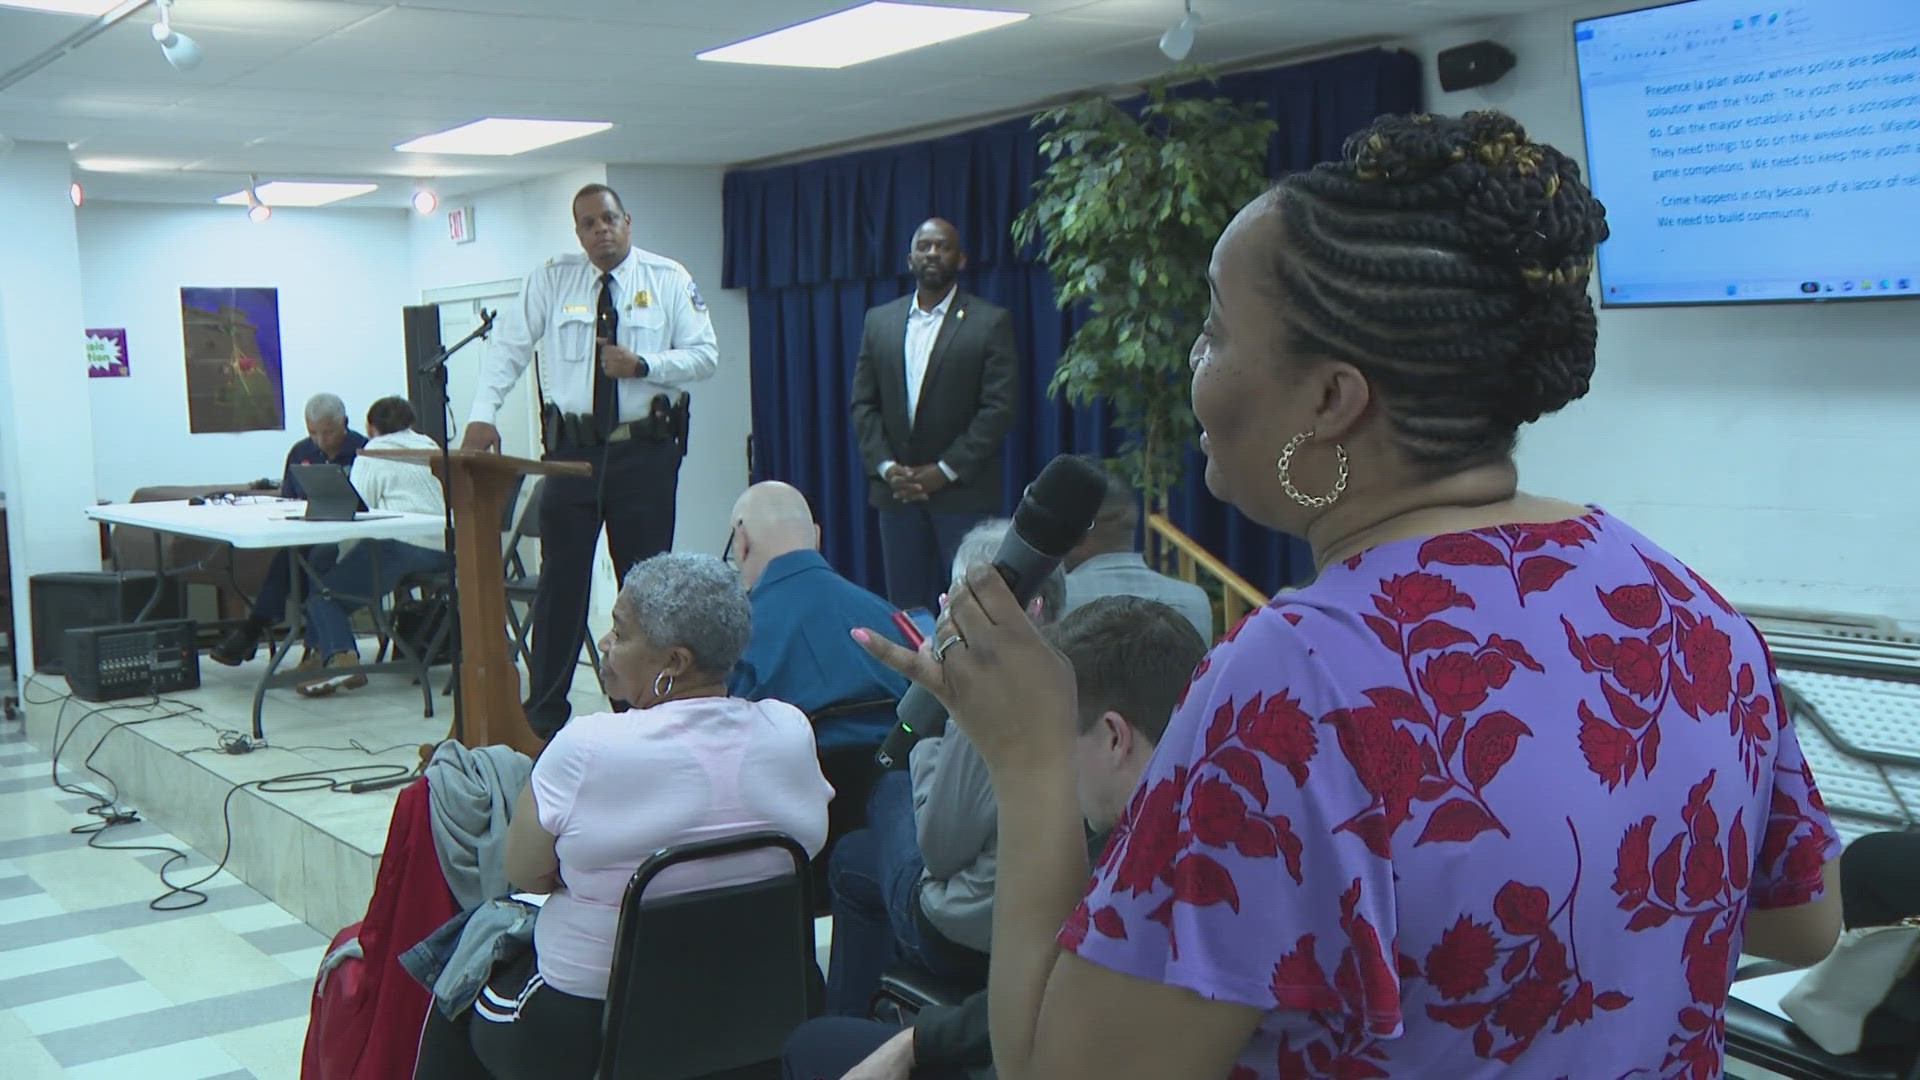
<point>367,569</point>
<point>329,441</point>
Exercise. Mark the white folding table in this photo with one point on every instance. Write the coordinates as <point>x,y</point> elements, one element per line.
<point>255,522</point>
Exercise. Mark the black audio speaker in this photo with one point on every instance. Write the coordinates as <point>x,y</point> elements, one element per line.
<point>66,601</point>
<point>1467,66</point>
<point>422,324</point>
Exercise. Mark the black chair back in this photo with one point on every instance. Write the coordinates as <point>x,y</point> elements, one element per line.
<point>853,772</point>
<point>710,983</point>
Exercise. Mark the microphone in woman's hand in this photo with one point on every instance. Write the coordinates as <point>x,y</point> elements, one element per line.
<point>1053,517</point>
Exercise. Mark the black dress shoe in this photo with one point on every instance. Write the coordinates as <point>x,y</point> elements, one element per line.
<point>236,648</point>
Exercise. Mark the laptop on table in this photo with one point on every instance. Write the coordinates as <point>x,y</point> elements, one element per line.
<point>330,495</point>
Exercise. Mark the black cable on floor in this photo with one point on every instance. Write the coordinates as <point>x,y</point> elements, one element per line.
<point>106,808</point>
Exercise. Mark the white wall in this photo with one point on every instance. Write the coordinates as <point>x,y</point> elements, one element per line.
<point>1772,447</point>
<point>342,276</point>
<point>517,227</point>
<point>46,459</point>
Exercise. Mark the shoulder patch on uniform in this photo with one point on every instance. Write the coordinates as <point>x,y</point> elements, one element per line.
<point>693,296</point>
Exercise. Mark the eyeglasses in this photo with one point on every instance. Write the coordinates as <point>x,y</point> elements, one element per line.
<point>726,553</point>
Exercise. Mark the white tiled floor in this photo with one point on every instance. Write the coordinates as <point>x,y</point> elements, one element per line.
<point>95,987</point>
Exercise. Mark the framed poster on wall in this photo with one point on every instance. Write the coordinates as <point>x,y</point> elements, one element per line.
<point>234,376</point>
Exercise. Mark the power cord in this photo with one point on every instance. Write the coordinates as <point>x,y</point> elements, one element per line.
<point>110,812</point>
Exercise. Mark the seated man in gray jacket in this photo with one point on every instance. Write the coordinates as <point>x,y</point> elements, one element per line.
<point>1107,563</point>
<point>1132,660</point>
<point>916,885</point>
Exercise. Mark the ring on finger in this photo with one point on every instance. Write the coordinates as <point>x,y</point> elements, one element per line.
<point>940,647</point>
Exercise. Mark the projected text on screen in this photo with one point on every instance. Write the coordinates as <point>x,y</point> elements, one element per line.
<point>1753,154</point>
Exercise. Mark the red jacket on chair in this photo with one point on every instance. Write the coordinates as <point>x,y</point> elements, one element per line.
<point>368,1011</point>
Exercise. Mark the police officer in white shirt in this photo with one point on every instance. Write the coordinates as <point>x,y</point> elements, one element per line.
<point>619,331</point>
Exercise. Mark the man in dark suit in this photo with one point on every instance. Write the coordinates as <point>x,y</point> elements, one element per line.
<point>934,393</point>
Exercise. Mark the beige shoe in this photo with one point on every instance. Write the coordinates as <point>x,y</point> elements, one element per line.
<point>332,684</point>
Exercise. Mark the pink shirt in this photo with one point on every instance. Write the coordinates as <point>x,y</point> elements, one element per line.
<point>613,788</point>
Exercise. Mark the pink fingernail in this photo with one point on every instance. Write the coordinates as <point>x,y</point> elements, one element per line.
<point>861,636</point>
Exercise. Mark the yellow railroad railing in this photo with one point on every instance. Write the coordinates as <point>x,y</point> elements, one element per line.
<point>1174,553</point>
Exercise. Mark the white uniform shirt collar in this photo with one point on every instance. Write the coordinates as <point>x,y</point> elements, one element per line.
<point>623,274</point>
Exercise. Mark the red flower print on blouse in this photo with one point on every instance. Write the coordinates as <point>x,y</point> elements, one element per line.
<point>1509,547</point>
<point>1460,964</point>
<point>1685,658</point>
<point>1500,652</point>
<point>1709,658</point>
<point>1637,607</point>
<point>1357,1007</point>
<point>1153,837</point>
<point>1538,981</point>
<point>1638,666</point>
<point>1700,877</point>
<point>1413,598</point>
<point>1455,683</point>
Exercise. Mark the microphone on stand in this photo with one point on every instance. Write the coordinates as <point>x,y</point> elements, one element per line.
<point>1053,517</point>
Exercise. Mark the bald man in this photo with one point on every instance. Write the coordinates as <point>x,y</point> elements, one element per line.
<point>801,652</point>
<point>935,391</point>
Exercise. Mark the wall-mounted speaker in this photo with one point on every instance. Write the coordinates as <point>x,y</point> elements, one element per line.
<point>1478,64</point>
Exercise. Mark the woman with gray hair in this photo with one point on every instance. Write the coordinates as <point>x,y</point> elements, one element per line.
<point>685,763</point>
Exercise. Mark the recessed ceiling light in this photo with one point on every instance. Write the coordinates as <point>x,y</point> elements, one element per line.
<point>298,193</point>
<point>66,7</point>
<point>502,137</point>
<point>121,165</point>
<point>860,34</point>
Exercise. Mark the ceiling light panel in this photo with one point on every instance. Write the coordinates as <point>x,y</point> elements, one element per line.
<point>861,34</point>
<point>498,137</point>
<point>298,193</point>
<point>94,8</point>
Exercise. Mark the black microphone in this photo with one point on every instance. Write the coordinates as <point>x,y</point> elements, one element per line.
<point>1054,515</point>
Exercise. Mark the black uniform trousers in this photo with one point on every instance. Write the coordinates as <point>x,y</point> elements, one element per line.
<point>631,494</point>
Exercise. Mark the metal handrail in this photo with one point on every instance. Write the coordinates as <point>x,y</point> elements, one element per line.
<point>1167,544</point>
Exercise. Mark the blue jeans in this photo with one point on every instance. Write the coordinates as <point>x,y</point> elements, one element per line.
<point>874,882</point>
<point>917,547</point>
<point>353,582</point>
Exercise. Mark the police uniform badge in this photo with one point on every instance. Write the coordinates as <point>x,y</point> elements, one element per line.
<point>643,299</point>
<point>693,296</point>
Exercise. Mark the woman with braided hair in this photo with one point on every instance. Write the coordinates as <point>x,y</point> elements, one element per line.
<point>1505,792</point>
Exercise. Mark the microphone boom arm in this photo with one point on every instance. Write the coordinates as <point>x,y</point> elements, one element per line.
<point>439,359</point>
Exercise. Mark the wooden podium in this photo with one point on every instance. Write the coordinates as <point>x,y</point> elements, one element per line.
<point>489,681</point>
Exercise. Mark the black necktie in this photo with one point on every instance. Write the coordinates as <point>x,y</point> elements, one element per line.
<point>606,392</point>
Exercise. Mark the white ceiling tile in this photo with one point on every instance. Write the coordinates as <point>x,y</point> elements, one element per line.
<point>322,89</point>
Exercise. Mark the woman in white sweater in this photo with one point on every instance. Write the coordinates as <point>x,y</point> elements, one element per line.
<point>369,568</point>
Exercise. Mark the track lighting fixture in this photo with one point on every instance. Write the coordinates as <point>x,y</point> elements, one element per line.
<point>1177,42</point>
<point>257,211</point>
<point>180,50</point>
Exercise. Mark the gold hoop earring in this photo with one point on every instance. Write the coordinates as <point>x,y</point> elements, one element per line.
<point>658,690</point>
<point>1312,502</point>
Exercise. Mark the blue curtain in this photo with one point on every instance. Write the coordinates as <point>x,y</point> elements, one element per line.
<point>818,244</point>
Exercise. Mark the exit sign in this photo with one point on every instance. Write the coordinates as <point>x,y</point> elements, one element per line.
<point>460,225</point>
